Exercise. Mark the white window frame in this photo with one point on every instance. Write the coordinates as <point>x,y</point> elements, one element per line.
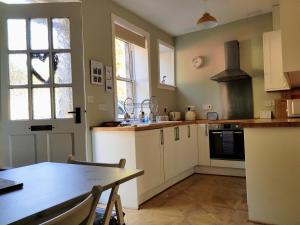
<point>160,85</point>
<point>118,20</point>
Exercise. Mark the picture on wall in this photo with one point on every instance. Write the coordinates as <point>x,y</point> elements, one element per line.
<point>97,72</point>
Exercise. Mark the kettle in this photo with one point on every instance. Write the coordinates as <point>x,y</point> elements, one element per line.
<point>190,114</point>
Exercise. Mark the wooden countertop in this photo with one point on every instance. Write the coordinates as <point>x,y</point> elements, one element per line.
<point>292,122</point>
<point>247,123</point>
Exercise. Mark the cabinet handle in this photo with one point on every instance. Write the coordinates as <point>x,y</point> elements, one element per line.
<point>162,137</point>
<point>175,133</point>
<point>206,130</point>
<point>178,135</point>
<point>189,131</point>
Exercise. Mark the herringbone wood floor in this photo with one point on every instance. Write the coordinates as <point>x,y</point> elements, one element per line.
<point>198,200</point>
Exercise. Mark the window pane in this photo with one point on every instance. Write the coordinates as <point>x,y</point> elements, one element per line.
<point>19,104</point>
<point>166,62</point>
<point>39,34</point>
<point>63,102</point>
<point>62,68</point>
<point>16,29</point>
<point>18,69</point>
<point>124,90</point>
<point>40,68</point>
<point>41,103</point>
<point>61,33</point>
<point>122,59</point>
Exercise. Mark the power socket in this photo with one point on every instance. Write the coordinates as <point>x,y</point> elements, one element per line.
<point>207,107</point>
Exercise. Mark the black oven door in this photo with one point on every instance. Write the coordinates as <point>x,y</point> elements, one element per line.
<point>227,144</point>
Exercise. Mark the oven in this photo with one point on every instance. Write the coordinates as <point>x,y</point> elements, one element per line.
<point>226,141</point>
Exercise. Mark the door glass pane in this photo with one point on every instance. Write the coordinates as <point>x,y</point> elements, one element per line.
<point>63,102</point>
<point>40,68</point>
<point>16,29</point>
<point>41,103</point>
<point>18,69</point>
<point>122,59</point>
<point>19,104</point>
<point>61,33</point>
<point>39,34</point>
<point>62,68</point>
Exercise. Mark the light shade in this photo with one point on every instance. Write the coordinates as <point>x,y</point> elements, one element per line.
<point>207,21</point>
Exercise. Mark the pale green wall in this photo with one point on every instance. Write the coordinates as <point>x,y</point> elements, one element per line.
<point>194,86</point>
<point>97,37</point>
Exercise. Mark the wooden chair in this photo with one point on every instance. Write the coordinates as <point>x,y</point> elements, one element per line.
<point>83,213</point>
<point>114,198</point>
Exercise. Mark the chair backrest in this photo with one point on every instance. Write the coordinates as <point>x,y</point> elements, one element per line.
<point>121,163</point>
<point>83,213</point>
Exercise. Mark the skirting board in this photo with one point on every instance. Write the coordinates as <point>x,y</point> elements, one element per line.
<point>220,171</point>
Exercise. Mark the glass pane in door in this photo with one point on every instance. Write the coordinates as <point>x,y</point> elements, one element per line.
<point>16,29</point>
<point>39,34</point>
<point>40,68</point>
<point>19,104</point>
<point>18,74</point>
<point>41,103</point>
<point>63,102</point>
<point>62,68</point>
<point>61,33</point>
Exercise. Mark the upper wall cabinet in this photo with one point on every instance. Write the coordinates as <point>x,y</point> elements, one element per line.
<point>274,76</point>
<point>290,20</point>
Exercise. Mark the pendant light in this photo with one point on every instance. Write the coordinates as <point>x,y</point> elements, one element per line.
<point>207,21</point>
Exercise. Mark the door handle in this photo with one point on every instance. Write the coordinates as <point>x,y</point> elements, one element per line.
<point>77,112</point>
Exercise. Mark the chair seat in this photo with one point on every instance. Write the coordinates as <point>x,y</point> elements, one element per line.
<point>100,215</point>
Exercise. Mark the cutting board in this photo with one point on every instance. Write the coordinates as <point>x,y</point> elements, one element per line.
<point>280,108</point>
<point>9,185</point>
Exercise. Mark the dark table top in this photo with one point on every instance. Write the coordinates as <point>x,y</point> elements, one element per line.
<point>50,184</point>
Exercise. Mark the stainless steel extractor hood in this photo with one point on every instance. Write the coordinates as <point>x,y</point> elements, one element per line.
<point>232,64</point>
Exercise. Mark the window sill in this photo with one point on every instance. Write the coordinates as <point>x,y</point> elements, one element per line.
<point>167,87</point>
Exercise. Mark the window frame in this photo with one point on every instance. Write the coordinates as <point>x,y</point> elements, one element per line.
<point>131,72</point>
<point>160,85</point>
<point>28,51</point>
<point>120,21</point>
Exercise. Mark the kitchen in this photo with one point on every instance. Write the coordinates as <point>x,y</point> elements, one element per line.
<point>265,150</point>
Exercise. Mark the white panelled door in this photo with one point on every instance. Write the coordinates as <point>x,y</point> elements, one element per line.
<point>41,82</point>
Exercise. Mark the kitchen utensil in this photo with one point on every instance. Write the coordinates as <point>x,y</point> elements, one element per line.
<point>212,116</point>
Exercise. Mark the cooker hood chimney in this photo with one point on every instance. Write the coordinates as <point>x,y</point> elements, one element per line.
<point>232,64</point>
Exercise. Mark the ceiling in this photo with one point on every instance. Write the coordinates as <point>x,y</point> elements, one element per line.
<point>179,17</point>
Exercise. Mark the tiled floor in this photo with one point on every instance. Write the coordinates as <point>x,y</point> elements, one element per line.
<point>198,200</point>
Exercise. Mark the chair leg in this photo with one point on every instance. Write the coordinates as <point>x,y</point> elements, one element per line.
<point>110,205</point>
<point>119,210</point>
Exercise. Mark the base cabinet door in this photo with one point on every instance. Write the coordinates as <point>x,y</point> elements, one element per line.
<point>203,145</point>
<point>149,157</point>
<point>170,152</point>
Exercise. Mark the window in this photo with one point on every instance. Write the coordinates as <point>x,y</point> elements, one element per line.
<point>40,75</point>
<point>132,68</point>
<point>166,65</point>
<point>124,74</point>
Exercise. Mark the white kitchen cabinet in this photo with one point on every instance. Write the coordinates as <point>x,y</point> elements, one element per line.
<point>274,76</point>
<point>166,155</point>
<point>189,149</point>
<point>149,157</point>
<point>171,150</point>
<point>203,145</point>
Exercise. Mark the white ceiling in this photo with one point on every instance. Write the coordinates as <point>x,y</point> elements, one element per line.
<point>178,17</point>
